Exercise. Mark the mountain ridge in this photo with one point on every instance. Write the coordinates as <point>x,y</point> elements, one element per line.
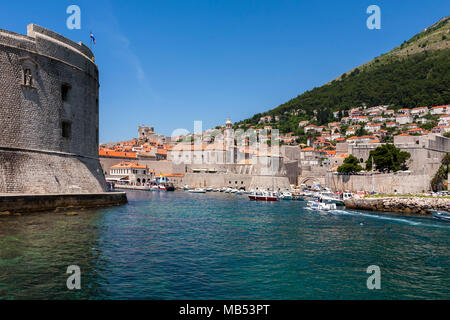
<point>415,73</point>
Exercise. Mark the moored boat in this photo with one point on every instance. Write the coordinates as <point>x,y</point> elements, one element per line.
<point>197,190</point>
<point>170,187</point>
<point>263,196</point>
<point>286,196</point>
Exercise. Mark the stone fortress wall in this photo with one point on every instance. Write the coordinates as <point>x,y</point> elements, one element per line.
<point>49,112</point>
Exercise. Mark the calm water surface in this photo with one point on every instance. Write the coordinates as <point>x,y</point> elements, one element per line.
<point>216,246</point>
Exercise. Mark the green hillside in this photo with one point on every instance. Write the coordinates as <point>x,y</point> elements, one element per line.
<point>416,73</point>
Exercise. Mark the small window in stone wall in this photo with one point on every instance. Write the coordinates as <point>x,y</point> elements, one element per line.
<point>66,129</point>
<point>65,88</point>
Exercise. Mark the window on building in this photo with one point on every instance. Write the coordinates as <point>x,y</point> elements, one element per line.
<point>65,92</point>
<point>66,129</point>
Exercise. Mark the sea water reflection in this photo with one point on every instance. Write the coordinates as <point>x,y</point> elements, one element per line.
<point>216,246</point>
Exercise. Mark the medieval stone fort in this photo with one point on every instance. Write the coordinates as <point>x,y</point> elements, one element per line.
<point>49,115</point>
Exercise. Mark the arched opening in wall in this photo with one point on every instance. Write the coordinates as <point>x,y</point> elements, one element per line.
<point>138,180</point>
<point>143,180</point>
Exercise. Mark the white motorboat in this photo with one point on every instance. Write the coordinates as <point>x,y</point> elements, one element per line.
<point>197,190</point>
<point>228,190</point>
<point>330,197</point>
<point>209,189</point>
<point>347,195</point>
<point>186,187</point>
<point>322,206</point>
<point>286,195</point>
<point>234,190</point>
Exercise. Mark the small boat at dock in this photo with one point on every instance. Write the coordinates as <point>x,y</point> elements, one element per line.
<point>263,196</point>
<point>286,196</point>
<point>197,190</point>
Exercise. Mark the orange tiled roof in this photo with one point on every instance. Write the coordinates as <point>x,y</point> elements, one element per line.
<point>134,165</point>
<point>118,154</point>
<point>440,107</point>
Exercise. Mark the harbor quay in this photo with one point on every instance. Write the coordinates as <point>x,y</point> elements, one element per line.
<point>400,204</point>
<point>28,203</point>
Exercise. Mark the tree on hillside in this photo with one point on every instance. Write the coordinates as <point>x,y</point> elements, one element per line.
<point>361,132</point>
<point>350,165</point>
<point>437,183</point>
<point>387,158</point>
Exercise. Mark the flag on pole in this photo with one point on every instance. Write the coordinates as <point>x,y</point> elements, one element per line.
<point>92,38</point>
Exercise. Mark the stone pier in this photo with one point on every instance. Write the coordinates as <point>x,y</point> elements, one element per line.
<point>26,203</point>
<point>407,205</point>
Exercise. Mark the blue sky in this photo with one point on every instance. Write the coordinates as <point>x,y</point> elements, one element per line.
<point>168,63</point>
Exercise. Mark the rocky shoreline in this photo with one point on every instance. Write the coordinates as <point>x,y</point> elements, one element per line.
<point>407,205</point>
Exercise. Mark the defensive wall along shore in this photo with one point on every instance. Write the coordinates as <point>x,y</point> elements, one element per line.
<point>408,205</point>
<point>49,118</point>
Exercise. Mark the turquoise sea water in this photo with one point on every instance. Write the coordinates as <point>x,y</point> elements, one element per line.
<point>176,245</point>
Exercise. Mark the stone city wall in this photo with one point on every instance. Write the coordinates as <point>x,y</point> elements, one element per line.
<point>238,181</point>
<point>48,115</point>
<point>389,183</point>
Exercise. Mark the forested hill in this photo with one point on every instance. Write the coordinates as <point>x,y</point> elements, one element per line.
<point>416,73</point>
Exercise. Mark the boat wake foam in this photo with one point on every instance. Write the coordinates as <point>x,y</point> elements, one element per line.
<point>382,217</point>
